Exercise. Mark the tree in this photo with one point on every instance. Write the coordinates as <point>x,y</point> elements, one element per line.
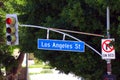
<point>83,15</point>
<point>87,16</point>
<point>7,61</point>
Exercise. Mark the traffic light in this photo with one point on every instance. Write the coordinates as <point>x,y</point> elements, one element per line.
<point>12,29</point>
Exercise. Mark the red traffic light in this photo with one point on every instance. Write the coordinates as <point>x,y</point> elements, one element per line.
<point>10,20</point>
<point>12,29</point>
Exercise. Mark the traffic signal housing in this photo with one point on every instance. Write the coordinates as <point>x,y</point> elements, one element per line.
<point>12,29</point>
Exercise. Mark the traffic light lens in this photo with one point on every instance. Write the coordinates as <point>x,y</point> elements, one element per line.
<point>9,38</point>
<point>8,30</point>
<point>9,21</point>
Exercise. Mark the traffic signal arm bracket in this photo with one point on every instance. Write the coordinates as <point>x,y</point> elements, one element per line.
<point>64,34</point>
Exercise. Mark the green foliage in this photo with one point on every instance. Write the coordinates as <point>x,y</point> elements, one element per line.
<point>78,15</point>
<point>84,15</point>
<point>6,59</point>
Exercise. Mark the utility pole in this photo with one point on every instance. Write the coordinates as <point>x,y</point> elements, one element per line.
<point>109,75</point>
<point>109,70</point>
<point>26,66</point>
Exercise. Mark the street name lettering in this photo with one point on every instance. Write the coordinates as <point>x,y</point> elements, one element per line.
<point>61,45</point>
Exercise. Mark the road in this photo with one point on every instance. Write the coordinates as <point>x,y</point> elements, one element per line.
<point>53,76</point>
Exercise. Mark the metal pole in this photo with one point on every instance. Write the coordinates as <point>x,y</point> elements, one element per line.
<point>109,70</point>
<point>26,66</point>
<point>41,27</point>
<point>108,22</point>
